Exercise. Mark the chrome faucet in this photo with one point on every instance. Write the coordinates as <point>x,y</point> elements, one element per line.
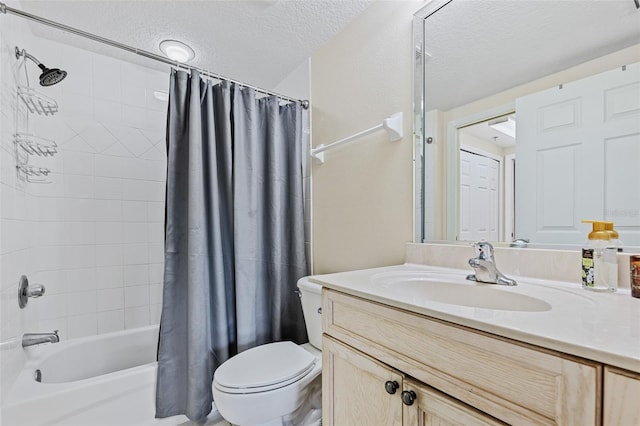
<point>485,266</point>
<point>30,339</point>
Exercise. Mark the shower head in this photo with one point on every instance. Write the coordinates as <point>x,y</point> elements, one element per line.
<point>49,76</point>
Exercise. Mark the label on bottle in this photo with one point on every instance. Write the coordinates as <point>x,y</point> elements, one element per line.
<point>588,270</point>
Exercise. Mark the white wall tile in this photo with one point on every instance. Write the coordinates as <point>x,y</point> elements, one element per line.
<point>76,103</point>
<point>136,296</point>
<point>75,257</point>
<point>98,137</point>
<point>110,321</point>
<point>135,254</point>
<point>109,255</point>
<point>55,306</point>
<point>135,232</point>
<point>108,166</point>
<point>134,211</point>
<point>136,317</point>
<point>47,234</point>
<point>106,78</point>
<point>108,188</point>
<point>110,299</point>
<point>79,186</point>
<point>107,210</point>
<point>79,232</point>
<point>109,233</point>
<point>83,325</point>
<point>136,275</point>
<point>109,277</point>
<point>156,273</point>
<point>49,209</point>
<point>155,294</point>
<point>81,303</point>
<point>81,280</point>
<point>78,209</point>
<point>134,116</point>
<point>156,253</point>
<point>156,232</point>
<point>78,163</point>
<point>80,61</point>
<point>155,211</point>
<point>109,110</point>
<point>155,313</point>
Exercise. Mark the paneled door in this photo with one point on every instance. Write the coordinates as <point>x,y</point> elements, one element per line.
<point>479,197</point>
<point>578,151</point>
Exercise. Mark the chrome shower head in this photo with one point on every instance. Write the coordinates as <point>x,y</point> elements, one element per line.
<point>49,76</point>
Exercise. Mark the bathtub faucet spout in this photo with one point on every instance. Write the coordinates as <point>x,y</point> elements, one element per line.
<point>30,339</point>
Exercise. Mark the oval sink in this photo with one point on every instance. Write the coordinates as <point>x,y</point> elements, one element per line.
<point>444,287</point>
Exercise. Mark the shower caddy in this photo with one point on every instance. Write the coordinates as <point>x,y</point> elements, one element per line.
<point>28,144</point>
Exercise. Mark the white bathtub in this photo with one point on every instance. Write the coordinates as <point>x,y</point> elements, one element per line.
<point>108,379</point>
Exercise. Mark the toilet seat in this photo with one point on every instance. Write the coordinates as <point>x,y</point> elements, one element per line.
<point>263,368</point>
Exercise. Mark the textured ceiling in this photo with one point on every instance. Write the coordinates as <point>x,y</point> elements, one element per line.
<point>257,42</point>
<point>477,48</point>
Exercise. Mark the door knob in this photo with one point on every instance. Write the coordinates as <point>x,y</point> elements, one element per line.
<point>391,386</point>
<point>408,397</point>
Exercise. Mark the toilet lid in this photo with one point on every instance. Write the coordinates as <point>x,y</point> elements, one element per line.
<point>263,368</point>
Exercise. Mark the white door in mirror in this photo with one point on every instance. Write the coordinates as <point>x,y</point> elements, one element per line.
<point>559,183</point>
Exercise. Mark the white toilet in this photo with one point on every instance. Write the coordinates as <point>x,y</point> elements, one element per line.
<point>277,383</point>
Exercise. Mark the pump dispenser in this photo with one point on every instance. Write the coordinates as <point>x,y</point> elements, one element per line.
<point>614,237</point>
<point>598,259</point>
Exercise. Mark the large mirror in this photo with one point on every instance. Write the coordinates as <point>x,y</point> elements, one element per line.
<point>527,120</point>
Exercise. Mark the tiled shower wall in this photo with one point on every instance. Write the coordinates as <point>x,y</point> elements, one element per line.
<point>99,224</point>
<point>93,235</point>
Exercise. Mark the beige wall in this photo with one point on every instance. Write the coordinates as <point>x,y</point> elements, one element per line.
<point>363,193</point>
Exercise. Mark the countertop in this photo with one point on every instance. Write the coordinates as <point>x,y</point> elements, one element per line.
<point>603,327</point>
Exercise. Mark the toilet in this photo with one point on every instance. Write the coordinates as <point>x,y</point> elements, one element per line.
<point>277,383</point>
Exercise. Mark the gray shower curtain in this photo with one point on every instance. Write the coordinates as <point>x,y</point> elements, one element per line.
<point>234,244</point>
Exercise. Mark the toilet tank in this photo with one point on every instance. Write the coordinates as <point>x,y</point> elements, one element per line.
<point>311,299</point>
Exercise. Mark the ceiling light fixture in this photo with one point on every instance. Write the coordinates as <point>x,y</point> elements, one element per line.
<point>177,50</point>
<point>506,125</point>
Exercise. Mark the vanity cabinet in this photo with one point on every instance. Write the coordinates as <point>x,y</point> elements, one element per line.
<point>358,390</point>
<point>621,393</point>
<point>478,377</point>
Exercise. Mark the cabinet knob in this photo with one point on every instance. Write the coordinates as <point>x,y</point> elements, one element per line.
<point>408,397</point>
<point>391,386</point>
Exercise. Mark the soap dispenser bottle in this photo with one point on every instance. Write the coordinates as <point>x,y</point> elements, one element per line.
<point>596,259</point>
<point>614,237</point>
<point>611,255</point>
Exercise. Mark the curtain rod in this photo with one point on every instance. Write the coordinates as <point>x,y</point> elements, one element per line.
<point>6,9</point>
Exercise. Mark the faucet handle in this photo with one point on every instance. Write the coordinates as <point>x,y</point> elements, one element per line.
<point>35,290</point>
<point>484,250</point>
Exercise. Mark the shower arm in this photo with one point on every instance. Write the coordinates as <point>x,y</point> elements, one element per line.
<point>24,53</point>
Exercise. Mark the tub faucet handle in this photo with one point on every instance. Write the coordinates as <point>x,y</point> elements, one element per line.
<point>26,291</point>
<point>35,290</point>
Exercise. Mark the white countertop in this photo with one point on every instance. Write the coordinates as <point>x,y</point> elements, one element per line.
<point>603,327</point>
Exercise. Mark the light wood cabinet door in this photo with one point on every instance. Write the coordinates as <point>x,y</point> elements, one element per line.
<point>514,382</point>
<point>433,408</point>
<point>621,397</point>
<point>354,391</point>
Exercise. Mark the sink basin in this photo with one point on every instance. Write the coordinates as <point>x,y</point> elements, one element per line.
<point>451,289</point>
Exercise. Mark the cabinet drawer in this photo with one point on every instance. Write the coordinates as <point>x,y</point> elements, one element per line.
<point>513,382</point>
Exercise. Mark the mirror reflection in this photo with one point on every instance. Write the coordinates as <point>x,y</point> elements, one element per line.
<point>533,113</point>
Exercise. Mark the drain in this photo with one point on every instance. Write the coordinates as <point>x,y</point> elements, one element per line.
<point>38,376</point>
